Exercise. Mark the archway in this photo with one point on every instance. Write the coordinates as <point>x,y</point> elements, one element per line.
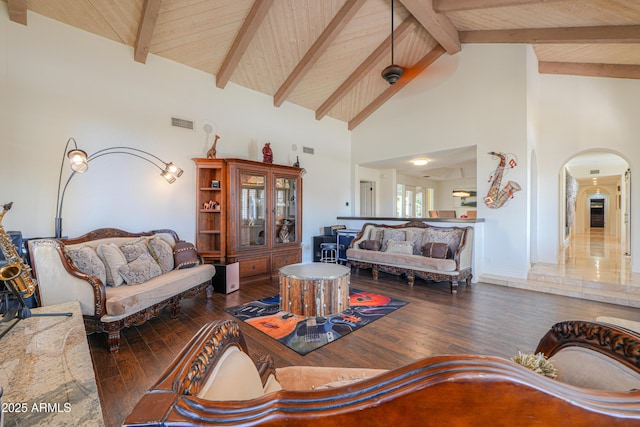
<point>595,204</point>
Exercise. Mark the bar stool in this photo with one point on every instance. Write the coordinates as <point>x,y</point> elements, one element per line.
<point>329,253</point>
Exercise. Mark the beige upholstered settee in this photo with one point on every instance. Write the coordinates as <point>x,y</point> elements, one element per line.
<point>110,308</point>
<point>213,381</point>
<point>407,249</point>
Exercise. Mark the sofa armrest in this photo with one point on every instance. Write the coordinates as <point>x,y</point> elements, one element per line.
<point>191,371</point>
<point>60,281</point>
<point>363,235</point>
<point>619,344</point>
<point>465,250</point>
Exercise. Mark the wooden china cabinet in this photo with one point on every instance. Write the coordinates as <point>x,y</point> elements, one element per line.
<point>260,215</point>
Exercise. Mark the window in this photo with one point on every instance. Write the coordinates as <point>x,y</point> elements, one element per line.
<point>419,202</point>
<point>410,201</point>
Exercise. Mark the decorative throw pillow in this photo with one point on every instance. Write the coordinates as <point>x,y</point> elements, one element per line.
<point>88,262</point>
<point>185,255</point>
<point>140,270</point>
<point>415,237</point>
<point>377,233</point>
<point>435,250</point>
<point>132,250</point>
<point>451,237</point>
<point>391,235</point>
<point>113,258</point>
<point>399,247</point>
<point>370,245</point>
<point>162,252</point>
<point>167,237</point>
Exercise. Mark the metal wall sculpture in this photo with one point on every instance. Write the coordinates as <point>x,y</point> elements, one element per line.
<point>497,197</point>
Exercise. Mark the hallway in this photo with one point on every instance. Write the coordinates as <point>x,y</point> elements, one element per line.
<point>597,256</point>
<point>594,268</point>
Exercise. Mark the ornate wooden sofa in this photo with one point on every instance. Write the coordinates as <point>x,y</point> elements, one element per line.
<point>455,267</point>
<point>213,381</point>
<point>106,308</point>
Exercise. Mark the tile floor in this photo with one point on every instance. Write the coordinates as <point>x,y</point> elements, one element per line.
<point>594,268</point>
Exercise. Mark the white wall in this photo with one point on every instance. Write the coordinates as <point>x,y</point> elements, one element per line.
<point>579,114</point>
<point>57,82</point>
<point>533,123</point>
<point>477,98</point>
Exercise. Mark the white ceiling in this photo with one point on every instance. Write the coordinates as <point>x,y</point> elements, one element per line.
<point>609,166</point>
<point>457,163</point>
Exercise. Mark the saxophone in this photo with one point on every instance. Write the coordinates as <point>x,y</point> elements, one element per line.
<point>496,197</point>
<point>16,271</point>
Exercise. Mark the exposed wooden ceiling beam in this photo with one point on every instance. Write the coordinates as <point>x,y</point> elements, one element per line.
<point>604,34</point>
<point>245,35</point>
<point>437,24</point>
<point>457,5</point>
<point>330,33</point>
<point>145,30</point>
<point>365,67</point>
<point>18,11</point>
<point>621,71</point>
<point>406,78</point>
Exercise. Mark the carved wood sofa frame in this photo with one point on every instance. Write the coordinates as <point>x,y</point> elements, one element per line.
<point>617,343</point>
<point>93,323</point>
<point>454,390</point>
<point>461,274</point>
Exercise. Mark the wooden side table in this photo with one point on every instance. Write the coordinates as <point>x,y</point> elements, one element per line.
<point>314,289</point>
<point>46,371</point>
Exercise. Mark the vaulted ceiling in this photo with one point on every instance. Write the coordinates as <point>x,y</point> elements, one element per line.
<point>327,55</point>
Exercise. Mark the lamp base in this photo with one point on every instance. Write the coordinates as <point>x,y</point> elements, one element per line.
<point>58,227</point>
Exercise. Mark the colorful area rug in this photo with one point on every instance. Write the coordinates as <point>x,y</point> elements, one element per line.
<point>304,335</point>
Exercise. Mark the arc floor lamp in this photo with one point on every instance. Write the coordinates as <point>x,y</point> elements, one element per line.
<point>80,163</point>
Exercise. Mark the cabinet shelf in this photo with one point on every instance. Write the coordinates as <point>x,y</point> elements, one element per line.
<point>210,223</point>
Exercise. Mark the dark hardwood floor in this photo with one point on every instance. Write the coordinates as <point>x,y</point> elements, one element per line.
<point>481,319</point>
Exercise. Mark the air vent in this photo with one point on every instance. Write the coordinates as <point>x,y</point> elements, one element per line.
<point>307,150</point>
<point>181,123</point>
<point>594,171</point>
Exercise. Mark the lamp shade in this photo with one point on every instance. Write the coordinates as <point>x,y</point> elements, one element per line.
<point>168,176</point>
<point>78,159</point>
<point>174,170</point>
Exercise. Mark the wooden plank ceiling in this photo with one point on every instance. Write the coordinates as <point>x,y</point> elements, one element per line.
<point>327,55</point>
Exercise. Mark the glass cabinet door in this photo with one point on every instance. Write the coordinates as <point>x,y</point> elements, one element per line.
<point>285,210</point>
<point>252,210</point>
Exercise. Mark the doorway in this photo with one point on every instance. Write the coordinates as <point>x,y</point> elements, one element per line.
<point>412,201</point>
<point>367,198</point>
<point>596,213</point>
<point>596,199</point>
